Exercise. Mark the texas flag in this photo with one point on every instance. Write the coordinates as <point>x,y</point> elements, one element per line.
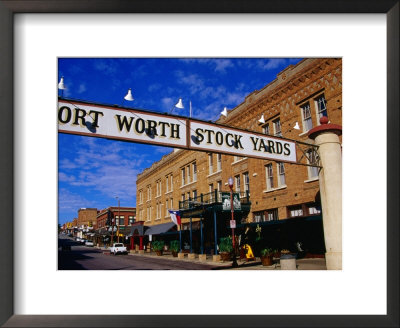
<point>175,216</point>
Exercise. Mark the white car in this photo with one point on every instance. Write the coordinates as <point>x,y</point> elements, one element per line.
<point>89,243</point>
<point>118,248</point>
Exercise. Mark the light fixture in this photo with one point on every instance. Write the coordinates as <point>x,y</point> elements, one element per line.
<point>261,120</point>
<point>179,104</point>
<point>61,84</point>
<point>230,182</point>
<point>225,112</point>
<point>296,126</point>
<point>129,96</point>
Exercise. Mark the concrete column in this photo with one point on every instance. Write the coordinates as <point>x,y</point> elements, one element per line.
<point>326,136</point>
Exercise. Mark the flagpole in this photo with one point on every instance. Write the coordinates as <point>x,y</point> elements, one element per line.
<point>180,236</point>
<point>190,106</point>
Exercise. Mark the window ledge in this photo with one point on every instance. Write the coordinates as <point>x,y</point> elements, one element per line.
<point>239,161</point>
<point>311,180</point>
<point>214,173</point>
<point>157,219</point>
<point>188,184</point>
<point>168,192</point>
<point>275,189</point>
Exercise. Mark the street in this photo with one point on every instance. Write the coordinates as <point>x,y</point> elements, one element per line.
<point>81,257</point>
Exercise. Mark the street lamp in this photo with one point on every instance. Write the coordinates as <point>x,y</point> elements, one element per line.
<point>230,183</point>
<point>119,219</point>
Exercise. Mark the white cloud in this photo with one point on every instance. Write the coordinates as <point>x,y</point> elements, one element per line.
<point>68,201</point>
<point>107,168</point>
<point>82,88</point>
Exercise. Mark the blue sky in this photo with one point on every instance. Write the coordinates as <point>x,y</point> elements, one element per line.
<point>94,171</point>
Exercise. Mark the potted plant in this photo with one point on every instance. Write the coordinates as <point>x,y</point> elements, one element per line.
<point>266,256</point>
<point>225,248</point>
<point>174,247</point>
<point>158,246</point>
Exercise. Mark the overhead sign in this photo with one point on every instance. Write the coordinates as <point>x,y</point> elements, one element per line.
<point>121,124</point>
<point>81,118</point>
<point>212,137</point>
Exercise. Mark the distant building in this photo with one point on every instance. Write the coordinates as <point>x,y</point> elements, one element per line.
<point>121,218</point>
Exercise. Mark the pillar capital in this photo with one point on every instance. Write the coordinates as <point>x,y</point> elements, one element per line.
<point>324,127</point>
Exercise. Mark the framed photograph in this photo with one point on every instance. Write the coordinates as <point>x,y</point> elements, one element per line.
<point>34,34</point>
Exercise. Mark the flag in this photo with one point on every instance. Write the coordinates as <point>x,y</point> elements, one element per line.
<point>175,216</point>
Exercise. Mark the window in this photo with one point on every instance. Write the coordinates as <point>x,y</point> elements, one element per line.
<point>259,216</point>
<point>281,174</point>
<point>194,171</point>
<point>194,194</point>
<point>210,163</point>
<point>272,215</point>
<point>148,192</point>
<point>188,195</point>
<point>131,220</point>
<point>172,185</point>
<point>277,128</point>
<point>140,197</point>
<point>313,209</point>
<point>183,197</point>
<point>246,182</point>
<point>219,185</point>
<point>306,115</point>
<point>321,106</point>
<point>157,213</point>
<point>312,158</point>
<point>237,183</point>
<point>295,211</point>
<point>166,207</point>
<point>219,162</point>
<point>188,174</point>
<point>266,129</point>
<point>158,187</point>
<point>172,203</point>
<point>166,184</point>
<point>210,187</point>
<point>270,176</point>
<point>183,176</point>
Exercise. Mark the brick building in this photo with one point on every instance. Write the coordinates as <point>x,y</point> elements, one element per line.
<point>87,216</point>
<point>121,217</point>
<point>284,197</point>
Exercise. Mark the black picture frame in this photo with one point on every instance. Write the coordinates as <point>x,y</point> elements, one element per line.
<point>10,7</point>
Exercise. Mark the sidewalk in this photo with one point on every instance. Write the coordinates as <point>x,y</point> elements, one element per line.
<point>302,264</point>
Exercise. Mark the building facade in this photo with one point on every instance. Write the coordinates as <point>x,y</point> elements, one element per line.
<point>279,192</point>
<point>121,218</point>
<point>87,216</point>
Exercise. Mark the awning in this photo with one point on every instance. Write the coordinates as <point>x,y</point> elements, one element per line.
<point>159,228</point>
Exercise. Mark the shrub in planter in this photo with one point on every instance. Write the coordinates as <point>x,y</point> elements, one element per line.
<point>158,246</point>
<point>266,256</point>
<point>174,247</point>
<point>225,248</point>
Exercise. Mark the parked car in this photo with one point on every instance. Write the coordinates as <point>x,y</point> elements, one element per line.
<point>118,248</point>
<point>83,241</point>
<point>89,243</point>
